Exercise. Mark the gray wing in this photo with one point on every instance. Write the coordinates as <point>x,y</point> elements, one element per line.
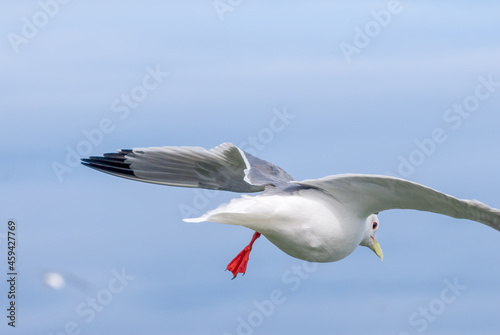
<point>225,167</point>
<point>368,194</point>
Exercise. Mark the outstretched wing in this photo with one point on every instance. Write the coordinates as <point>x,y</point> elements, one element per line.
<point>367,194</point>
<point>225,167</point>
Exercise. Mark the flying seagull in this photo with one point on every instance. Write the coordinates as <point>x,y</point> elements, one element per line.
<point>317,220</point>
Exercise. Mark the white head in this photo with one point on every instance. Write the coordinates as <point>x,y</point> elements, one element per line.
<point>369,239</point>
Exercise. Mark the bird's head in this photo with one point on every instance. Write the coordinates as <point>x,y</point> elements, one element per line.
<point>369,239</point>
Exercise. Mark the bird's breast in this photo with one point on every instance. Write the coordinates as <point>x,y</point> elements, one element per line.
<point>311,225</point>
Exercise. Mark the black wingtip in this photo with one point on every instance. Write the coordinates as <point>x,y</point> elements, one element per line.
<point>113,163</point>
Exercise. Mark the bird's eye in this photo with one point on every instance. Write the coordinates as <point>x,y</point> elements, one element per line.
<point>375,225</point>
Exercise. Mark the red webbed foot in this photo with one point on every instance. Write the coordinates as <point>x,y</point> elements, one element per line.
<point>239,263</point>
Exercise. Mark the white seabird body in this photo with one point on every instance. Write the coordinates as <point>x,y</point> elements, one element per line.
<point>307,224</point>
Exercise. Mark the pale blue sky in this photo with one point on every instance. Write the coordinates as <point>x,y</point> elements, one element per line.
<point>227,80</point>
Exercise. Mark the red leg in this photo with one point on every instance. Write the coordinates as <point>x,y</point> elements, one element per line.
<point>239,263</point>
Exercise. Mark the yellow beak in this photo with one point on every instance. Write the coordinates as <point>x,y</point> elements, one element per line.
<point>377,249</point>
